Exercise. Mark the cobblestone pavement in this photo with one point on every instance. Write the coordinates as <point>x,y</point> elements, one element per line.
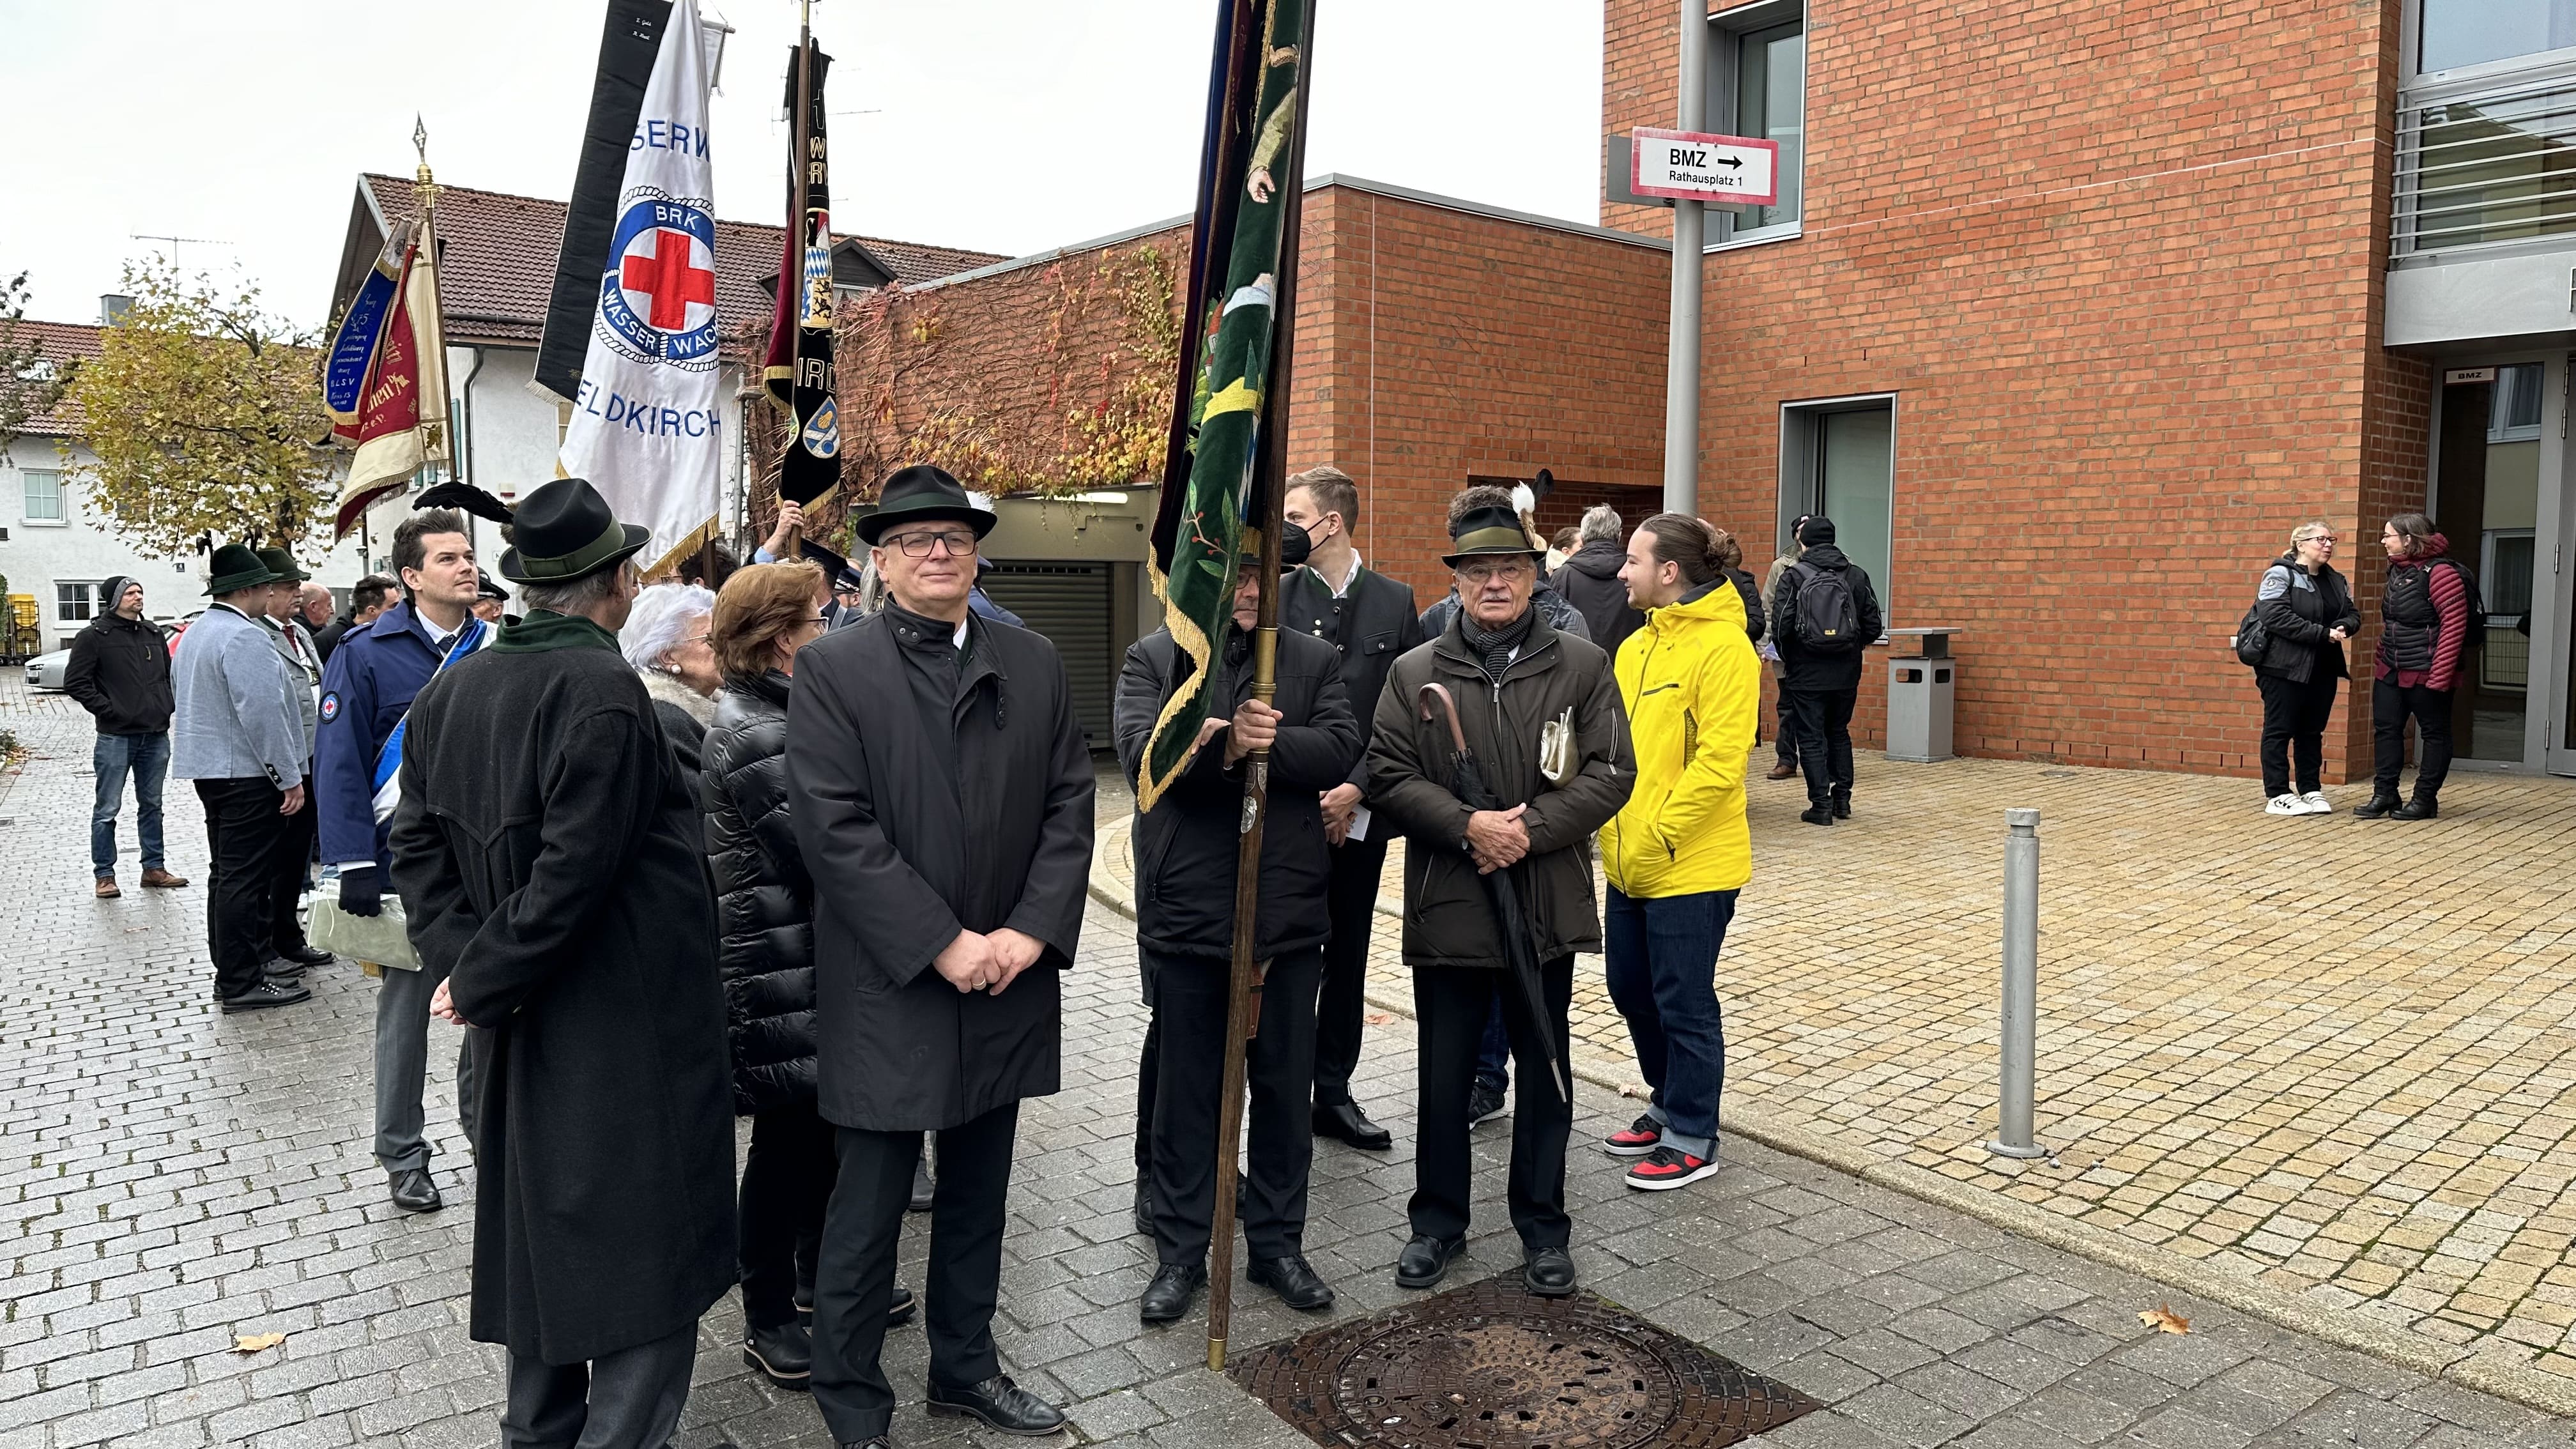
<point>2327,1058</point>
<point>171,1178</point>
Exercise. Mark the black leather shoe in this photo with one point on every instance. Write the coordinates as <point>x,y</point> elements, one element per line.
<point>1547,1272</point>
<point>1294,1282</point>
<point>1345,1122</point>
<point>278,968</point>
<point>308,955</point>
<point>1842,807</point>
<point>266,994</point>
<point>2377,807</point>
<point>1425,1260</point>
<point>414,1192</point>
<point>2422,807</point>
<point>899,1311</point>
<point>784,1355</point>
<point>1817,815</point>
<point>1144,1208</point>
<point>1001,1404</point>
<point>924,1191</point>
<point>1169,1295</point>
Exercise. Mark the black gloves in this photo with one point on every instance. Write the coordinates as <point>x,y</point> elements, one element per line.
<point>358,893</point>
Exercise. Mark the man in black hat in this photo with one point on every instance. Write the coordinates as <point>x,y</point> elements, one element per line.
<point>1185,847</point>
<point>293,863</point>
<point>942,798</point>
<point>1825,616</point>
<point>1540,711</point>
<point>239,735</point>
<point>551,858</point>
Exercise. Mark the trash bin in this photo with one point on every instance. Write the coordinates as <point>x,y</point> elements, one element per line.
<point>1919,689</point>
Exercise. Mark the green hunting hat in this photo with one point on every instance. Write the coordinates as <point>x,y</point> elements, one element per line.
<point>281,566</point>
<point>236,567</point>
<point>563,532</point>
<point>922,493</point>
<point>1488,531</point>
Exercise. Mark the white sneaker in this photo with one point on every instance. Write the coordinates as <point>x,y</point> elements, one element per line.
<point>2317,803</point>
<point>2286,805</point>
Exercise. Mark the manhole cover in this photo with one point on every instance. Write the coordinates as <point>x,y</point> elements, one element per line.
<point>1489,1366</point>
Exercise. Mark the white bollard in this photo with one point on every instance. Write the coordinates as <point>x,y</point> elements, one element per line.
<point>2013,1135</point>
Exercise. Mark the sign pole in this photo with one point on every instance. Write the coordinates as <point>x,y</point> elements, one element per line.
<point>1690,229</point>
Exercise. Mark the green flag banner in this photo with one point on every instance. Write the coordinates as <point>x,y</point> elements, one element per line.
<point>1250,175</point>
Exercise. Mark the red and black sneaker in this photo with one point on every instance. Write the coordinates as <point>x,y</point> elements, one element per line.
<point>1636,1140</point>
<point>1670,1167</point>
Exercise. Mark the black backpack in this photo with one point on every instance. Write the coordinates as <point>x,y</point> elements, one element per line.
<point>1827,619</point>
<point>2477,636</point>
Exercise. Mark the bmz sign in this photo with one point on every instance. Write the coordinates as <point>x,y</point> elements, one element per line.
<point>1692,166</point>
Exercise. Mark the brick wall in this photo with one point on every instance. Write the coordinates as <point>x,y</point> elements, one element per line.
<point>2121,265</point>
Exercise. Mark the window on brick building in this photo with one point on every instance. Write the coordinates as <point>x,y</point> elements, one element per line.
<point>2455,33</point>
<point>1758,87</point>
<point>1838,458</point>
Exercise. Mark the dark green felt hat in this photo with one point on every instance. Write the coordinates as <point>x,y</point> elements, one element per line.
<point>563,532</point>
<point>236,567</point>
<point>922,492</point>
<point>281,566</point>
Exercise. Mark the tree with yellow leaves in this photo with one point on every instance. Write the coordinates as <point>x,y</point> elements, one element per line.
<point>206,418</point>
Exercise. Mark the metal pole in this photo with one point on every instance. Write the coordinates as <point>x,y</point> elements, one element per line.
<point>1690,231</point>
<point>2013,1134</point>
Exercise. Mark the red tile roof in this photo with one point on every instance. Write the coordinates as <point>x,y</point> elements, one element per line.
<point>63,344</point>
<point>498,261</point>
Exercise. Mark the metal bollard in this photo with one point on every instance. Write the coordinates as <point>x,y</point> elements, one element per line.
<point>2013,1134</point>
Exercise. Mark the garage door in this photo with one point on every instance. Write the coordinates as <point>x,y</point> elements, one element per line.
<point>1070,604</point>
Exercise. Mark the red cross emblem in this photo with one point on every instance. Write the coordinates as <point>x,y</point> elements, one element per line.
<point>667,280</point>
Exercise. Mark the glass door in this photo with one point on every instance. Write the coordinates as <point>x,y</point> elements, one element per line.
<point>2496,495</point>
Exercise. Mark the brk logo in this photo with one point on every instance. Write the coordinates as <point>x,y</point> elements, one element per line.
<point>657,302</point>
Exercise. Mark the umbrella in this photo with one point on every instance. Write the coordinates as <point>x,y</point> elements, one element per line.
<point>1467,782</point>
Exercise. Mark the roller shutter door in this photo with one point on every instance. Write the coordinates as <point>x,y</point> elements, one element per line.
<point>1070,604</point>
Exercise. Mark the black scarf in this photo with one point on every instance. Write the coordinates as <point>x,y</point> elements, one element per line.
<point>1494,650</point>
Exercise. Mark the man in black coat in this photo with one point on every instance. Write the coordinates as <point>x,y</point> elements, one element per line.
<point>942,799</point>
<point>120,673</point>
<point>1820,677</point>
<point>1370,619</point>
<point>551,859</point>
<point>1185,880</point>
<point>1589,579</point>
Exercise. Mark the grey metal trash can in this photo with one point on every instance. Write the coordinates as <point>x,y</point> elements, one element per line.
<point>1919,691</point>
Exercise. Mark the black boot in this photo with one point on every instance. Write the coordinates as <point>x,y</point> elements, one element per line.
<point>2380,805</point>
<point>784,1355</point>
<point>1842,805</point>
<point>2422,807</point>
<point>1817,815</point>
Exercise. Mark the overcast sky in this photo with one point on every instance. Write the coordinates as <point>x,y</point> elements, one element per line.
<point>1005,125</point>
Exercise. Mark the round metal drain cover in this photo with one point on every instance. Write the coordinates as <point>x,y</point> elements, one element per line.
<point>1509,1384</point>
<point>1488,1366</point>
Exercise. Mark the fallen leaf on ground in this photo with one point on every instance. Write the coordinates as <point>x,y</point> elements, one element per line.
<point>1380,1018</point>
<point>257,1342</point>
<point>2163,1319</point>
<point>1638,1090</point>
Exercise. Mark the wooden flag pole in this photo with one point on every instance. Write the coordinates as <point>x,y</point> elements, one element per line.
<point>1269,476</point>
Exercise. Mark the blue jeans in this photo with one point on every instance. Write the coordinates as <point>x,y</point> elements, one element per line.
<point>1663,978</point>
<point>147,758</point>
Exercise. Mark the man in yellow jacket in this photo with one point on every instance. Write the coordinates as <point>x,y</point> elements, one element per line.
<point>1680,849</point>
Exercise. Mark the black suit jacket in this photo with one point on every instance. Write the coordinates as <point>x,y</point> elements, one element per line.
<point>1371,625</point>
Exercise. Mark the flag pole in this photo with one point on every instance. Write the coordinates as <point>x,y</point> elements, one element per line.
<point>1243,982</point>
<point>803,145</point>
<point>437,434</point>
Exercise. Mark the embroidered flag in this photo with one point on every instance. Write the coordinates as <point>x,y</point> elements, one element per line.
<point>645,426</point>
<point>401,422</point>
<point>798,369</point>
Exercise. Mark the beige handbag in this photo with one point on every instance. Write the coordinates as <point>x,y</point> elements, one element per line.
<point>369,940</point>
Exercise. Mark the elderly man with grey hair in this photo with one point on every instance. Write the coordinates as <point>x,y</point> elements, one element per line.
<point>1590,579</point>
<point>665,639</point>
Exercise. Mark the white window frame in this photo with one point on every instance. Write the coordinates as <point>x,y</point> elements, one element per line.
<point>62,503</point>
<point>63,605</point>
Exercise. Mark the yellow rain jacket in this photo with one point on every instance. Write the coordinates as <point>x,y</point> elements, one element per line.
<point>1693,689</point>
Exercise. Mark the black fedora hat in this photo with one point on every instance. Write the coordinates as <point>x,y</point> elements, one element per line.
<point>236,567</point>
<point>281,566</point>
<point>564,531</point>
<point>922,493</point>
<point>1488,531</point>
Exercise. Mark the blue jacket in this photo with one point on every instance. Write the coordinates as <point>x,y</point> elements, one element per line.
<point>366,690</point>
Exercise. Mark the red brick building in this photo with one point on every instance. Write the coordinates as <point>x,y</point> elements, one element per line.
<point>2069,312</point>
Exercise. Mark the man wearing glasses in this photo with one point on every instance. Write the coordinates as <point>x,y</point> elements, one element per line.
<point>942,799</point>
<point>1540,711</point>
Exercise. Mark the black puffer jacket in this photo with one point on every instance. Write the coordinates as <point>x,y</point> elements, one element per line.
<point>2300,621</point>
<point>764,899</point>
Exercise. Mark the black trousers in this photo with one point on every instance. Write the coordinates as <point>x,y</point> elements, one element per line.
<point>1350,904</point>
<point>244,837</point>
<point>1279,1068</point>
<point>854,1281</point>
<point>786,1185</point>
<point>1788,713</point>
<point>2294,727</point>
<point>1824,741</point>
<point>1450,1004</point>
<point>2390,707</point>
<point>288,866</point>
<point>630,1399</point>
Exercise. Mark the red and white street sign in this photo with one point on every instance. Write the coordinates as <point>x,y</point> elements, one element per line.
<point>1695,166</point>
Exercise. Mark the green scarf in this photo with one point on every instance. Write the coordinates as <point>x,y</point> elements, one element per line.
<point>542,631</point>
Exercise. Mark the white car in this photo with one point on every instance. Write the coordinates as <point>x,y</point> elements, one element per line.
<point>45,671</point>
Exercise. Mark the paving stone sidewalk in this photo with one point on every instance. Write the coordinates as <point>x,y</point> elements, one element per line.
<point>171,1178</point>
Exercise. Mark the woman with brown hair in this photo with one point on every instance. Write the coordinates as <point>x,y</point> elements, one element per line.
<point>765,953</point>
<point>2424,642</point>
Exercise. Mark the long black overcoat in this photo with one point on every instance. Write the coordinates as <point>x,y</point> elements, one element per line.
<point>549,857</point>
<point>906,851</point>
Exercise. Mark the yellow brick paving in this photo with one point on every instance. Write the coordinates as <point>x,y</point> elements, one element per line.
<point>2331,1055</point>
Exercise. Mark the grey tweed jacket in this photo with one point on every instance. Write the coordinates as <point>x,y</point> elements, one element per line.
<point>238,716</point>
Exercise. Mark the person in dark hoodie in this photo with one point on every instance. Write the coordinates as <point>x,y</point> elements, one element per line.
<point>2423,644</point>
<point>2307,612</point>
<point>1589,579</point>
<point>120,673</point>
<point>1824,614</point>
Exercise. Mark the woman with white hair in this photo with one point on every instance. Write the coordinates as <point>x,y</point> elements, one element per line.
<point>665,639</point>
